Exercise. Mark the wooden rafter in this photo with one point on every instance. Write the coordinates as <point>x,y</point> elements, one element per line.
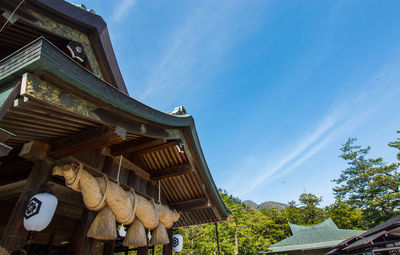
<point>171,172</point>
<point>156,148</point>
<point>134,146</point>
<point>193,204</point>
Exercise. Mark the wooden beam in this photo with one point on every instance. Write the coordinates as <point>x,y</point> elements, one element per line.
<point>193,204</point>
<point>134,126</point>
<point>11,190</point>
<point>11,18</point>
<point>127,164</point>
<point>134,146</point>
<point>21,12</point>
<point>171,172</point>
<point>156,148</point>
<point>133,167</point>
<point>70,202</point>
<point>14,236</point>
<point>69,211</point>
<point>66,195</point>
<point>91,140</point>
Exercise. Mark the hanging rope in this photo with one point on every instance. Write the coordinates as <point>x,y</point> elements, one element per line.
<point>159,191</point>
<point>119,168</point>
<point>9,18</point>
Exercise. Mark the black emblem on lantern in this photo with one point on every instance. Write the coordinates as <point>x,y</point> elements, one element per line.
<point>175,242</point>
<point>33,208</point>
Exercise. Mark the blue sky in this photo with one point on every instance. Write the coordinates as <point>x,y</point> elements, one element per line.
<point>275,87</point>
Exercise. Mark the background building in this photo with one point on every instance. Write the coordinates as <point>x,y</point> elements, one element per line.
<point>314,239</point>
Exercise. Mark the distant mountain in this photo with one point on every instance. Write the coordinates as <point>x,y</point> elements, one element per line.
<point>272,204</point>
<point>266,204</point>
<point>250,203</point>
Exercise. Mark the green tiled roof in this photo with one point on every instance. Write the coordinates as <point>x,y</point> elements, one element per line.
<point>323,235</point>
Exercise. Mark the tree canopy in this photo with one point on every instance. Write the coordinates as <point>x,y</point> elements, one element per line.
<point>367,193</point>
<point>369,184</point>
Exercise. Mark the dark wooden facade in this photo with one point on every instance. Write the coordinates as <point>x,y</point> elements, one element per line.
<point>383,239</point>
<point>59,109</point>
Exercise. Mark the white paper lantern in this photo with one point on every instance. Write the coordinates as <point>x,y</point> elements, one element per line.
<point>177,243</point>
<point>40,211</point>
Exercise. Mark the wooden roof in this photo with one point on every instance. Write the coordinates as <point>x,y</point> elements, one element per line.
<point>387,225</point>
<point>369,239</point>
<point>324,235</point>
<point>71,15</point>
<point>57,101</point>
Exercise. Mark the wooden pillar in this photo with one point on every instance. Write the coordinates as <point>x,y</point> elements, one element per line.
<point>167,248</point>
<point>142,251</point>
<point>109,247</point>
<point>217,236</point>
<point>81,244</point>
<point>14,236</point>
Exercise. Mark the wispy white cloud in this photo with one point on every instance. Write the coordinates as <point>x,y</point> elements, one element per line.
<point>305,143</point>
<point>121,10</point>
<point>349,114</point>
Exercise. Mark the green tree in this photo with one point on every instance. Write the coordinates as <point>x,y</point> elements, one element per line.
<point>396,144</point>
<point>310,212</point>
<point>293,213</point>
<point>346,216</point>
<point>368,183</point>
<point>279,228</point>
<point>248,231</point>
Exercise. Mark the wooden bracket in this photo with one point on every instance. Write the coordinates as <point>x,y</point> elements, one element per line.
<point>34,151</point>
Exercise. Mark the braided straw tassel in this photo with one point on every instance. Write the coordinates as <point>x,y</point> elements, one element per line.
<point>159,235</point>
<point>103,226</point>
<point>136,235</point>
